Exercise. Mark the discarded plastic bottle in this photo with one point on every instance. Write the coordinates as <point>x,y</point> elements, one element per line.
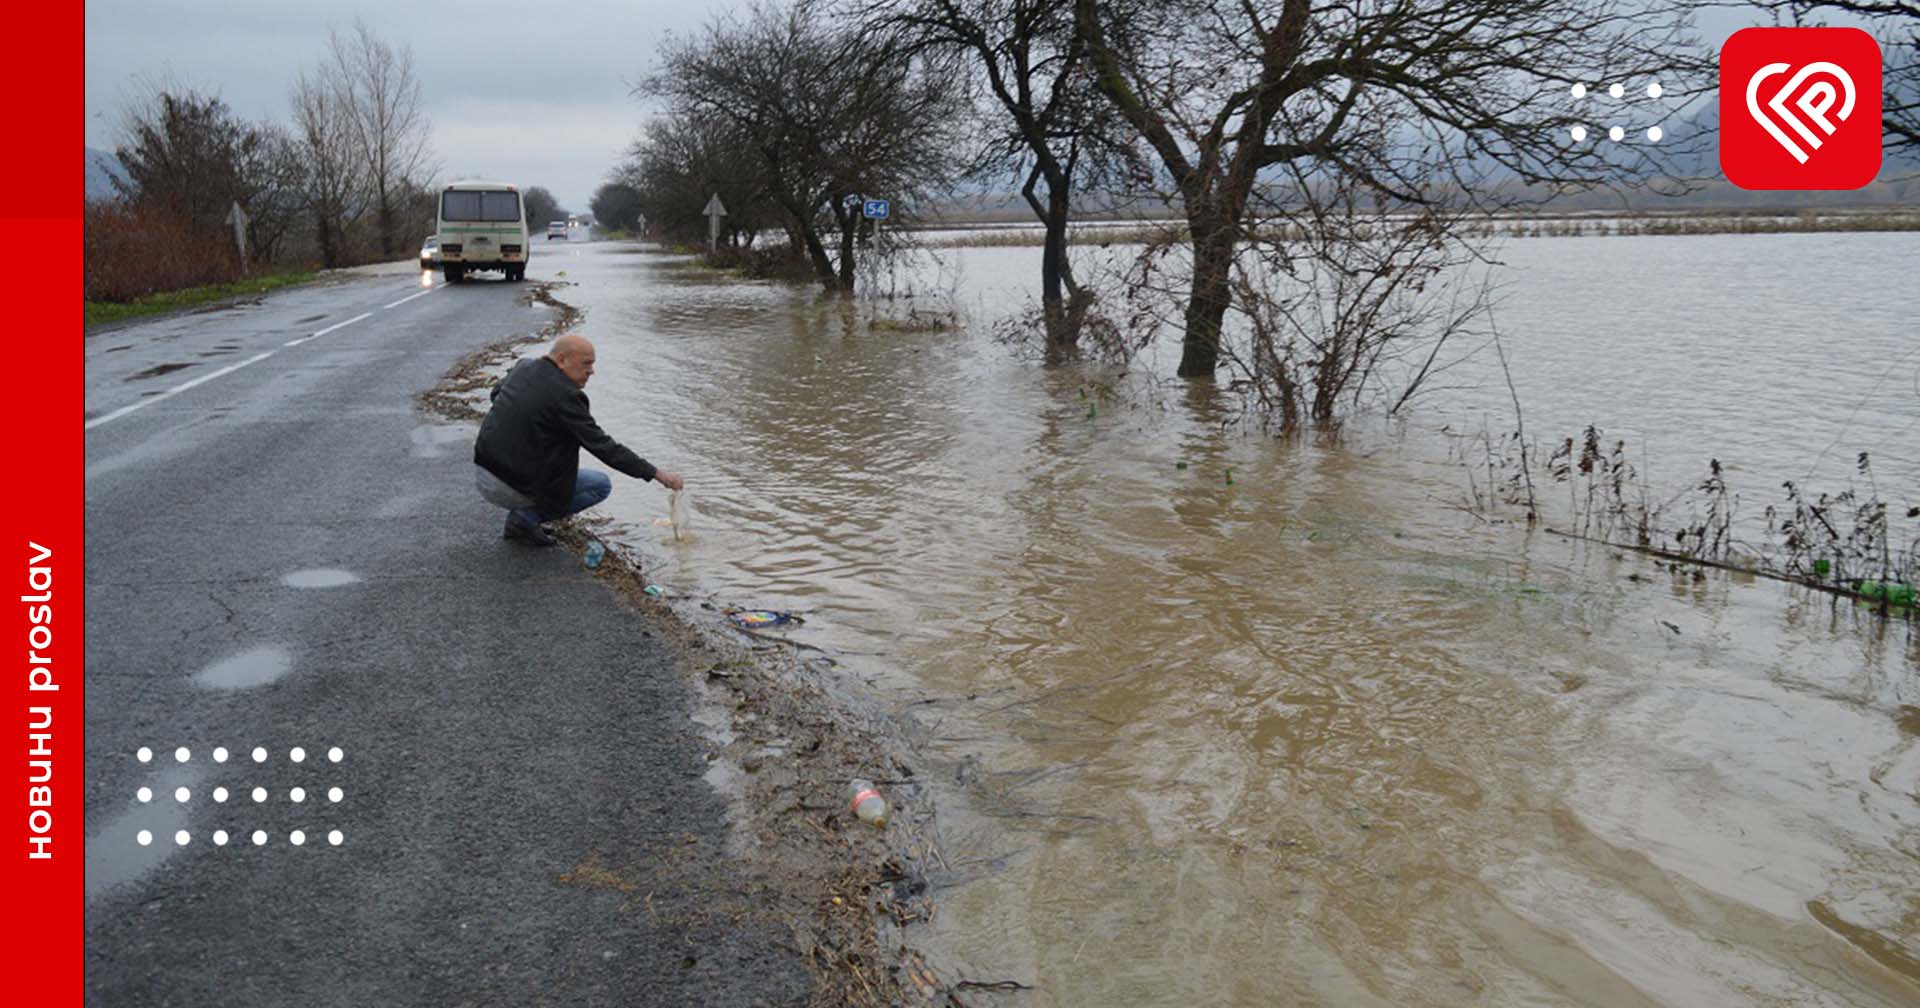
<point>1892,592</point>
<point>866,803</point>
<point>595,551</point>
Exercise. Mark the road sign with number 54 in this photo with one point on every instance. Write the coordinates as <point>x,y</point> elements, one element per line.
<point>877,209</point>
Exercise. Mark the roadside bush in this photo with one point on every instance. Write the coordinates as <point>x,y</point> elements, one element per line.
<point>131,251</point>
<point>777,262</point>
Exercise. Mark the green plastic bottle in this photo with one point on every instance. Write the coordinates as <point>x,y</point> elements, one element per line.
<point>1893,593</point>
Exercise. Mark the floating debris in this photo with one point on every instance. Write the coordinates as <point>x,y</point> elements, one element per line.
<point>760,619</point>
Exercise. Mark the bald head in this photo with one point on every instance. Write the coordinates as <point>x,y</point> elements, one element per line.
<point>573,355</point>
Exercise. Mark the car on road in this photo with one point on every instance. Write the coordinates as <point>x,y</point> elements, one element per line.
<point>556,229</point>
<point>482,225</point>
<point>430,253</point>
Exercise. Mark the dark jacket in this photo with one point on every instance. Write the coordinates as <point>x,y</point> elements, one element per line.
<point>531,438</point>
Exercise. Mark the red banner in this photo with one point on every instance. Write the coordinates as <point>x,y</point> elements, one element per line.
<point>45,507</point>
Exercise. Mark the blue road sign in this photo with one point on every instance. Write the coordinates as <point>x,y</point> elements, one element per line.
<point>877,209</point>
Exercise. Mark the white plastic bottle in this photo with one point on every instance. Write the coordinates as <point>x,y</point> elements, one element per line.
<point>866,803</point>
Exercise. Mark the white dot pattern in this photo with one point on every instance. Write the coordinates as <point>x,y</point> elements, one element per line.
<point>220,794</point>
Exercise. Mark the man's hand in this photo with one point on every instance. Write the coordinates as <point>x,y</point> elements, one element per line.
<point>667,478</point>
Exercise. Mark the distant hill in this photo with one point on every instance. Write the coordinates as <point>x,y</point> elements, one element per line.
<point>102,169</point>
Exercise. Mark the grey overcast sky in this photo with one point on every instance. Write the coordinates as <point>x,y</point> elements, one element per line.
<point>534,93</point>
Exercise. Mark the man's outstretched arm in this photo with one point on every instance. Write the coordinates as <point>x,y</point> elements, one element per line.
<point>579,420</point>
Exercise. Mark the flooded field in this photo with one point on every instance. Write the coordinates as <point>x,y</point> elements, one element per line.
<point>1211,718</point>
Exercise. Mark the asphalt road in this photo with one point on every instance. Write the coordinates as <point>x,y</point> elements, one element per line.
<point>522,815</point>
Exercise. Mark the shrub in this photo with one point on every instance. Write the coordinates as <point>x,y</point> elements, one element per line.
<point>133,250</point>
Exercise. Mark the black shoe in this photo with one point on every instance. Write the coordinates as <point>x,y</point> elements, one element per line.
<point>527,532</point>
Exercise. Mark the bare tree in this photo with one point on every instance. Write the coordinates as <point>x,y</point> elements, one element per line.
<point>541,206</point>
<point>1047,121</point>
<point>616,205</point>
<point>381,97</point>
<point>764,77</point>
<point>677,164</point>
<point>893,132</point>
<point>1422,101</point>
<point>832,114</point>
<point>336,175</point>
<point>189,155</point>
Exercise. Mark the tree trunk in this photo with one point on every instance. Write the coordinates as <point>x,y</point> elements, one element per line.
<point>1056,276</point>
<point>1213,246</point>
<point>386,221</point>
<point>843,217</point>
<point>329,252</point>
<point>822,266</point>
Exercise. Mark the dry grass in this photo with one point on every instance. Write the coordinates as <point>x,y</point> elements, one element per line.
<point>1147,233</point>
<point>1849,541</point>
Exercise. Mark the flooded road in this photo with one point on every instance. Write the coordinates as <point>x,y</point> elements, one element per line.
<point>1215,719</point>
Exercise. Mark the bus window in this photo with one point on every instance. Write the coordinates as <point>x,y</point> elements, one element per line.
<point>483,205</point>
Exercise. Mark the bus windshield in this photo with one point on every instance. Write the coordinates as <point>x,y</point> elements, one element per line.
<point>479,205</point>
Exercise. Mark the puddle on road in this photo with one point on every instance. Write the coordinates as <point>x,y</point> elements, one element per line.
<point>156,371</point>
<point>319,577</point>
<point>431,440</point>
<point>114,855</point>
<point>257,667</point>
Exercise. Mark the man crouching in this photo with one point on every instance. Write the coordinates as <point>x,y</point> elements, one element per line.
<point>527,457</point>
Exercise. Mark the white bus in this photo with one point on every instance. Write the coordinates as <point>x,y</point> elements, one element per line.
<point>482,226</point>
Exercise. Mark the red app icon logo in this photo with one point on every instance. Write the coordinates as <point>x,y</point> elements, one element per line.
<point>1800,108</point>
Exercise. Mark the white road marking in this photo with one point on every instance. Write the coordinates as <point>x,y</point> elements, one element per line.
<point>176,390</point>
<point>323,332</point>
<point>229,369</point>
<point>341,325</point>
<point>410,297</point>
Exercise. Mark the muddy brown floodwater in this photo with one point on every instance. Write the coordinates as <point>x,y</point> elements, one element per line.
<point>1210,718</point>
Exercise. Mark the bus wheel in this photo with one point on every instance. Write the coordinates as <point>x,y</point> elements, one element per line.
<point>455,274</point>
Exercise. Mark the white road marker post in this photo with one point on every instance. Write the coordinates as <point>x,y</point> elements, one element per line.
<point>238,218</point>
<point>714,212</point>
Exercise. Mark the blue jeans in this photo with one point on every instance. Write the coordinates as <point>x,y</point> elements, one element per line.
<point>590,487</point>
